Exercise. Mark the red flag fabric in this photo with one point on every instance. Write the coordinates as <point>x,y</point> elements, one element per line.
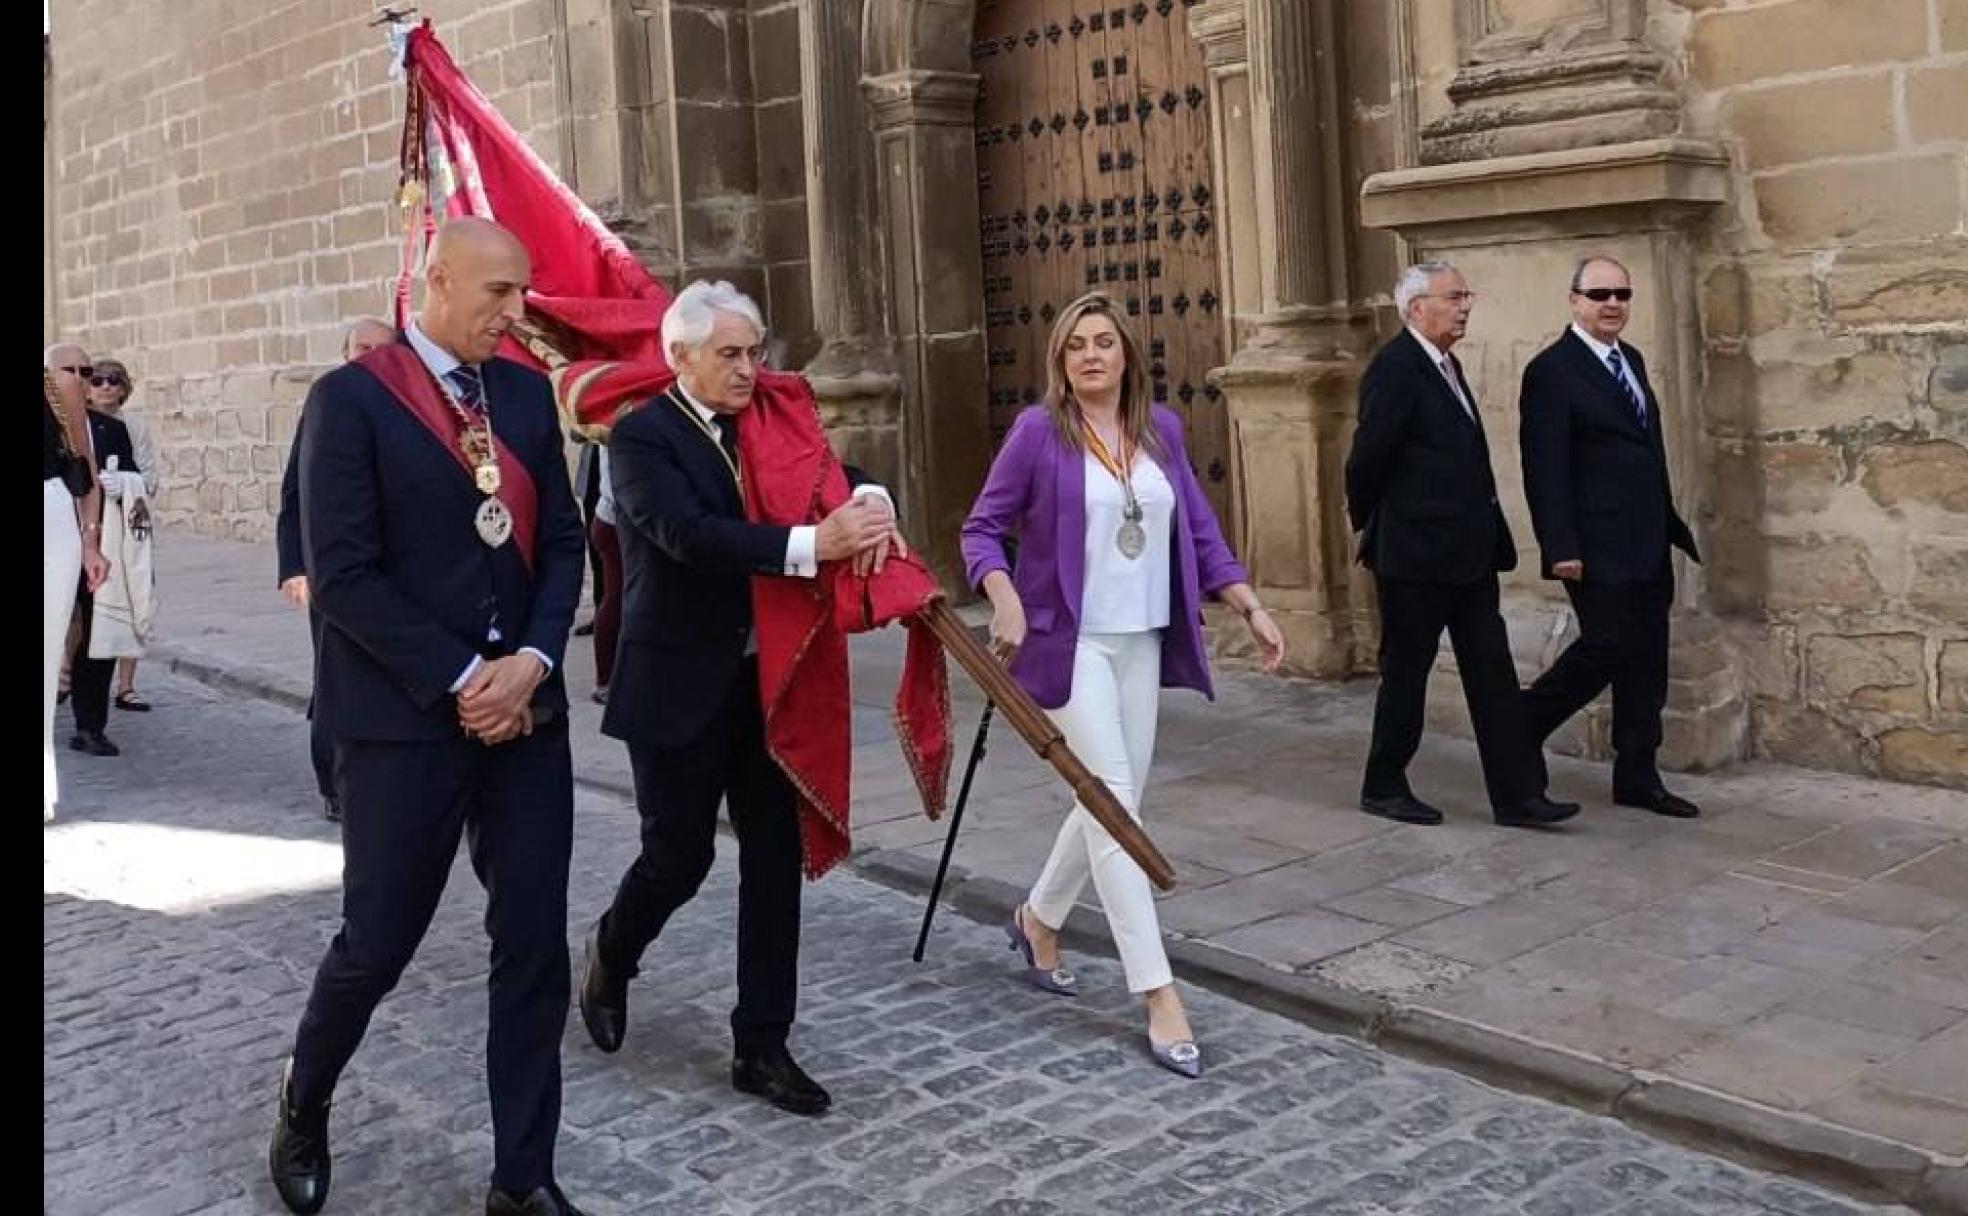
<point>596,315</point>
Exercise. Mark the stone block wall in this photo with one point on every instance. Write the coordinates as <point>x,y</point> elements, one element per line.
<point>224,179</point>
<point>788,298</point>
<point>1833,305</point>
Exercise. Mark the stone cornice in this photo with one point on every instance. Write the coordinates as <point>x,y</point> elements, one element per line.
<point>931,98</point>
<point>1661,181</point>
<point>1223,27</point>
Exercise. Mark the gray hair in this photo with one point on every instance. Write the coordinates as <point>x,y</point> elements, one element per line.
<point>48,355</point>
<point>1413,283</point>
<point>348,335</point>
<point>693,314</point>
<point>1578,271</point>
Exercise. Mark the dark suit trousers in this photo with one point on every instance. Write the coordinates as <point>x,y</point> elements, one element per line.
<point>588,503</point>
<point>677,795</point>
<point>89,679</point>
<point>1622,642</point>
<point>321,749</point>
<point>404,808</point>
<point>1413,616</point>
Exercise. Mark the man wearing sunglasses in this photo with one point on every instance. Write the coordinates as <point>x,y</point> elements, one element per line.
<point>1595,472</point>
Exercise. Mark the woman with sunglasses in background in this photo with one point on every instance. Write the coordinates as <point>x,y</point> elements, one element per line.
<point>1117,548</point>
<point>109,392</point>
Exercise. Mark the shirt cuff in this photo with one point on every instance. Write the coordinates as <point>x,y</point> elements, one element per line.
<point>537,653</point>
<point>869,487</point>
<point>801,545</point>
<point>464,677</point>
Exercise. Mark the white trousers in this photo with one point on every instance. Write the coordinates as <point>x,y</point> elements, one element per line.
<point>1109,722</point>
<point>61,570</point>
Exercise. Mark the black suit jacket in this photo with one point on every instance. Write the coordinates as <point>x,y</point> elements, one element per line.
<point>287,525</point>
<point>1596,479</point>
<point>110,437</point>
<point>688,558</point>
<point>405,587</point>
<point>1418,482</point>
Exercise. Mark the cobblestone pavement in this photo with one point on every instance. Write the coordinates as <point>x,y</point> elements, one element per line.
<point>190,886</point>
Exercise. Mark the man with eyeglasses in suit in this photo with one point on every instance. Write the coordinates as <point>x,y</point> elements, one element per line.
<point>1420,491</point>
<point>1595,472</point>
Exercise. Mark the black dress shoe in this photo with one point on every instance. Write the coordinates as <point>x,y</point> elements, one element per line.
<point>774,1076</point>
<point>1660,802</point>
<point>1537,811</point>
<point>585,629</point>
<point>541,1201</point>
<point>331,810</point>
<point>1402,808</point>
<point>93,743</point>
<point>604,998</point>
<point>298,1156</point>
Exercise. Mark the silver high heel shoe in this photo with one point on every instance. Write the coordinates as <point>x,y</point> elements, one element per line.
<point>1181,1056</point>
<point>1058,980</point>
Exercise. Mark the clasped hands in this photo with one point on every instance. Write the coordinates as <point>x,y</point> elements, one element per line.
<point>495,705</point>
<point>861,529</point>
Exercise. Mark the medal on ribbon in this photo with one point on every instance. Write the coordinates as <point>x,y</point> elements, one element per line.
<point>1130,538</point>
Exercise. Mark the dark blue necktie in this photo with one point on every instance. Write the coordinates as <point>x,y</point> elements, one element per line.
<point>469,384</point>
<point>727,427</point>
<point>1618,367</point>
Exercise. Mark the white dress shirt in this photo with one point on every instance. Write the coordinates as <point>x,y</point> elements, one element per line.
<point>441,363</point>
<point>1441,361</point>
<point>1125,594</point>
<point>1601,350</point>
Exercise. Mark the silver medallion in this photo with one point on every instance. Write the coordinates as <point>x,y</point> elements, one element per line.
<point>494,523</point>
<point>1131,539</point>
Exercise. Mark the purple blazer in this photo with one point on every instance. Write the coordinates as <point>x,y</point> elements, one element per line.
<point>1037,493</point>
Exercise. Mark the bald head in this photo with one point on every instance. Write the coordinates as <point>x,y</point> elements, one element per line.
<point>475,287</point>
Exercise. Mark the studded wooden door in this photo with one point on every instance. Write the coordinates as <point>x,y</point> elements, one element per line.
<point>1093,155</point>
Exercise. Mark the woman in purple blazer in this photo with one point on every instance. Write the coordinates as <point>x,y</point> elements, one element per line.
<point>1116,549</point>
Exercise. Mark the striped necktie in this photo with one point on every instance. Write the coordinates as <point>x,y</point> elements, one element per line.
<point>469,384</point>
<point>1618,367</point>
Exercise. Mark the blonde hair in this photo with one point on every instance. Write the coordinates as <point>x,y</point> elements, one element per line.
<point>1137,410</point>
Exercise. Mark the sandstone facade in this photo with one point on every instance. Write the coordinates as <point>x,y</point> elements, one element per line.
<point>1788,180</point>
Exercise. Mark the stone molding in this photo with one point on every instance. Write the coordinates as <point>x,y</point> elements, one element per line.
<point>1549,83</point>
<point>1645,184</point>
<point>1223,28</point>
<point>943,99</point>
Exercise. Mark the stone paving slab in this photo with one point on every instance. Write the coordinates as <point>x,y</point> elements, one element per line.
<point>190,886</point>
<point>1767,938</point>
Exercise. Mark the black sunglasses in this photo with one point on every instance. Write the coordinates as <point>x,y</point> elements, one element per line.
<point>106,381</point>
<point>83,370</point>
<point>1599,295</point>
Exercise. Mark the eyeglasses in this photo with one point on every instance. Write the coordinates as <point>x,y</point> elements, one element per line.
<point>83,370</point>
<point>1453,297</point>
<point>106,381</point>
<point>1599,295</point>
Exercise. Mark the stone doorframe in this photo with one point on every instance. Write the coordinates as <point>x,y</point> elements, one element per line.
<point>927,332</point>
<point>1295,325</point>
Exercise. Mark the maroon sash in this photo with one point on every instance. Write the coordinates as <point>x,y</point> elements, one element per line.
<point>412,384</point>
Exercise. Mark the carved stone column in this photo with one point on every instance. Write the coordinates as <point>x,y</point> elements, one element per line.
<point>926,164</point>
<point>853,375</point>
<point>1561,144</point>
<point>1297,333</point>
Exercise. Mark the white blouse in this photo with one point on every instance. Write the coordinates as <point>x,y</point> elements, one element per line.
<point>1122,594</point>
